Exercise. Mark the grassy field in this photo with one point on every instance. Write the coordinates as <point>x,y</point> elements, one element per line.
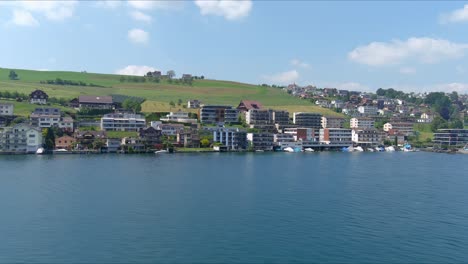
<point>424,131</point>
<point>158,95</point>
<point>25,108</point>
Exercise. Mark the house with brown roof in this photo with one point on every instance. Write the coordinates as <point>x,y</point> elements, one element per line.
<point>64,142</point>
<point>38,97</point>
<point>95,102</point>
<point>246,105</point>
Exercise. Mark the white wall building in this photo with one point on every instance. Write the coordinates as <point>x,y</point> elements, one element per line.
<point>368,110</point>
<point>20,138</point>
<point>122,122</point>
<point>179,117</point>
<point>6,109</point>
<point>361,122</point>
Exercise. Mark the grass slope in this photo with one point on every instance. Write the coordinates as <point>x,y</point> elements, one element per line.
<point>158,95</point>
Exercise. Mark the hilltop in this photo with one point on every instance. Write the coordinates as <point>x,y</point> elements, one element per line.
<point>157,95</point>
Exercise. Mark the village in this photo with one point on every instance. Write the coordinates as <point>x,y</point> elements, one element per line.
<point>366,122</point>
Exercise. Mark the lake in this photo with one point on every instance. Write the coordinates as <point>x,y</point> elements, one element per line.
<point>235,207</point>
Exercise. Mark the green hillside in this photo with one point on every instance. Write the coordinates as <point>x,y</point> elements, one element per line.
<point>158,95</point>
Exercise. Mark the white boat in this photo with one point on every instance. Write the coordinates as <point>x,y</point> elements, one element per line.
<point>288,149</point>
<point>464,150</point>
<point>390,149</point>
<point>370,150</point>
<point>40,151</point>
<point>309,150</point>
<point>359,149</point>
<point>161,151</point>
<point>259,150</point>
<point>350,149</point>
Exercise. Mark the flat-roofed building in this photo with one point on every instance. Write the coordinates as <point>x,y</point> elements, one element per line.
<point>304,119</point>
<point>332,122</point>
<point>451,137</point>
<point>6,109</point>
<point>361,122</point>
<point>214,114</point>
<point>336,136</point>
<point>122,122</point>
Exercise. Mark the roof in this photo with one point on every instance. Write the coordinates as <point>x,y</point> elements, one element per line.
<point>95,99</point>
<point>38,94</point>
<point>248,105</point>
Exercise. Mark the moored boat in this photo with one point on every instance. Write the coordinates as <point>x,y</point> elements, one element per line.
<point>359,149</point>
<point>40,151</point>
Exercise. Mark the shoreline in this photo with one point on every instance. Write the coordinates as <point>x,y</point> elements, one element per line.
<point>198,151</point>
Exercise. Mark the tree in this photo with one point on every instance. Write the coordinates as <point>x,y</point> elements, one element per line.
<point>49,139</point>
<point>457,123</point>
<point>171,74</point>
<point>172,104</point>
<point>132,105</point>
<point>122,79</point>
<point>454,96</point>
<point>205,142</point>
<point>13,75</point>
<point>98,144</point>
<point>179,102</point>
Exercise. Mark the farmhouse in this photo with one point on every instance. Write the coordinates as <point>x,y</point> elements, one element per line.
<point>38,97</point>
<point>95,102</point>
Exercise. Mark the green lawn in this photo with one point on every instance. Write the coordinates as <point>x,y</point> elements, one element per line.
<point>25,108</point>
<point>424,131</point>
<point>121,134</point>
<point>158,95</point>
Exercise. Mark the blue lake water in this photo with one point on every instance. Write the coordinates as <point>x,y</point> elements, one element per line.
<point>222,207</point>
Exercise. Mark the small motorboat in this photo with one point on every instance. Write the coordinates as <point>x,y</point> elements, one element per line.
<point>161,151</point>
<point>288,149</point>
<point>359,149</point>
<point>390,149</point>
<point>370,150</point>
<point>40,151</point>
<point>309,150</point>
<point>464,150</point>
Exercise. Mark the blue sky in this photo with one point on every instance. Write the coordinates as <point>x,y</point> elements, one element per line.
<point>413,46</point>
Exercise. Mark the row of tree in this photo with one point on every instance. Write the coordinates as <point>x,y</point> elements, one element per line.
<point>59,81</point>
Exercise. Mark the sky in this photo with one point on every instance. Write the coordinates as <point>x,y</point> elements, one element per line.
<point>358,45</point>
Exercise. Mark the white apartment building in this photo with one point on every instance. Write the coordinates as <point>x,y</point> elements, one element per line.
<point>122,122</point>
<point>6,109</point>
<point>368,110</point>
<point>179,117</point>
<point>20,138</point>
<point>361,122</point>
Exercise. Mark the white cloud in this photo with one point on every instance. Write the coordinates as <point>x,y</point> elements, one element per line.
<point>138,36</point>
<point>461,88</point>
<point>23,18</point>
<point>229,9</point>
<point>407,70</point>
<point>51,10</point>
<point>351,86</point>
<point>450,87</point>
<point>423,50</point>
<point>135,70</point>
<point>149,5</point>
<point>140,16</point>
<point>110,4</point>
<point>283,77</point>
<point>299,63</point>
<point>459,15</point>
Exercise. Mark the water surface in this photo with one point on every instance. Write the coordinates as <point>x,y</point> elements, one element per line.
<point>221,207</point>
